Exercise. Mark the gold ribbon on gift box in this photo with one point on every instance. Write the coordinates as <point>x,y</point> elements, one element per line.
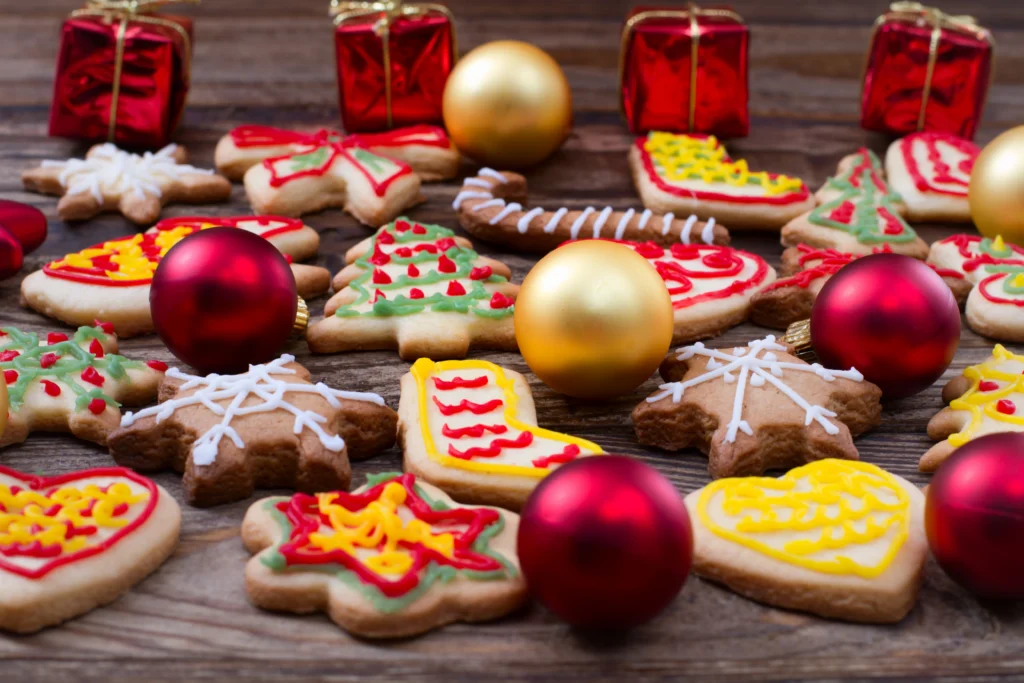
<point>915,13</point>
<point>125,11</point>
<point>389,11</point>
<point>692,13</point>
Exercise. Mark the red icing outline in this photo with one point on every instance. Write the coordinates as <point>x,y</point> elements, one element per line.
<point>942,169</point>
<point>493,449</point>
<point>465,404</point>
<point>460,383</point>
<point>568,454</point>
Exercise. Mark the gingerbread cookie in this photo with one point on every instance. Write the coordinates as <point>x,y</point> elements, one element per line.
<point>469,427</point>
<point>110,281</point>
<point>756,407</point>
<point>71,384</point>
<point>931,171</point>
<point>489,209</point>
<point>110,179</point>
<point>268,428</point>
<point>419,289</point>
<point>987,399</point>
<point>693,174</point>
<point>843,540</point>
<point>374,177</point>
<point>395,558</point>
<point>857,213</point>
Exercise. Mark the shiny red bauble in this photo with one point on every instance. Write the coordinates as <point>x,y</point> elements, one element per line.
<point>605,542</point>
<point>222,299</point>
<point>11,255</point>
<point>26,223</point>
<point>891,317</point>
<point>974,516</point>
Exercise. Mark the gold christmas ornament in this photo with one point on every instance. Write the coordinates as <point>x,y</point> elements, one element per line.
<point>996,191</point>
<point>507,104</point>
<point>593,319</point>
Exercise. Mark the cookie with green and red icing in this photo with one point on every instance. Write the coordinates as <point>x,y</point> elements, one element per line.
<point>395,558</point>
<point>421,290</point>
<point>375,177</point>
<point>932,171</point>
<point>857,213</point>
<point>71,383</point>
<point>74,542</point>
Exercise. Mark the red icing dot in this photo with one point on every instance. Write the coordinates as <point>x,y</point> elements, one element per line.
<point>499,300</point>
<point>419,230</point>
<point>413,270</point>
<point>97,406</point>
<point>380,277</point>
<point>106,327</point>
<point>429,248</point>
<point>446,243</point>
<point>157,365</point>
<point>10,376</point>
<point>415,293</point>
<point>842,213</point>
<point>480,273</point>
<point>379,258</point>
<point>56,338</point>
<point>377,294</point>
<point>403,252</point>
<point>401,226</point>
<point>95,348</point>
<point>51,388</point>
<point>385,237</point>
<point>9,355</point>
<point>1006,407</point>
<point>92,377</point>
<point>986,385</point>
<point>455,288</point>
<point>445,264</point>
<point>48,359</point>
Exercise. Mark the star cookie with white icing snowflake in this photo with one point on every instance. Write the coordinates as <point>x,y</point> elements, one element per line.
<point>270,427</point>
<point>422,290</point>
<point>693,174</point>
<point>932,171</point>
<point>375,177</point>
<point>71,383</point>
<point>490,208</point>
<point>757,407</point>
<point>138,186</point>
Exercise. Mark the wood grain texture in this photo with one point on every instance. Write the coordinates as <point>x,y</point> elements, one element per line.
<point>272,63</point>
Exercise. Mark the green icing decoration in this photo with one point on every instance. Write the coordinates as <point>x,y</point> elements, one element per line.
<point>987,247</point>
<point>378,165</point>
<point>310,160</point>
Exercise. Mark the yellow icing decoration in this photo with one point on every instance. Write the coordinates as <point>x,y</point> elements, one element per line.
<point>982,404</point>
<point>685,157</point>
<point>423,369</point>
<point>380,527</point>
<point>810,516</point>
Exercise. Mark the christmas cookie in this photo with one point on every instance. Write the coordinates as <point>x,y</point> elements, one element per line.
<point>374,177</point>
<point>419,289</point>
<point>756,407</point>
<point>71,384</point>
<point>995,306</point>
<point>71,543</point>
<point>931,171</point>
<point>395,558</point>
<point>470,428</point>
<point>110,179</point>
<point>268,428</point>
<point>857,213</point>
<point>987,399</point>
<point>692,174</point>
<point>110,281</point>
<point>843,540</point>
<point>489,209</point>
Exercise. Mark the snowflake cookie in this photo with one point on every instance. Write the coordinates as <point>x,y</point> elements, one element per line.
<point>138,186</point>
<point>756,407</point>
<point>267,428</point>
<point>395,558</point>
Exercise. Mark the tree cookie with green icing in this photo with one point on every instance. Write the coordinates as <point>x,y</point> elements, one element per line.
<point>71,383</point>
<point>394,558</point>
<point>421,290</point>
<point>857,213</point>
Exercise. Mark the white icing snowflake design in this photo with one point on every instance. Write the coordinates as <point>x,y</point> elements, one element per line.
<point>259,381</point>
<point>116,171</point>
<point>746,365</point>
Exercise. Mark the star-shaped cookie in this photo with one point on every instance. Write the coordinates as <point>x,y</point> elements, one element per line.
<point>138,186</point>
<point>267,428</point>
<point>756,407</point>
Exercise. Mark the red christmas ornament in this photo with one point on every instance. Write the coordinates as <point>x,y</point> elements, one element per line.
<point>605,542</point>
<point>974,516</point>
<point>26,223</point>
<point>891,317</point>
<point>11,256</point>
<point>223,299</point>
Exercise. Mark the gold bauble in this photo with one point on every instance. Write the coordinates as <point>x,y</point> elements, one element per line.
<point>996,191</point>
<point>593,319</point>
<point>507,104</point>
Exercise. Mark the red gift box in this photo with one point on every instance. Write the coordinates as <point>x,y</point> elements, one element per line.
<point>926,71</point>
<point>393,62</point>
<point>685,71</point>
<point>122,74</point>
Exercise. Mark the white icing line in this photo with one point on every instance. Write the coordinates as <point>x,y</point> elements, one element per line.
<point>490,172</point>
<point>684,236</point>
<point>524,223</point>
<point>488,204</point>
<point>620,229</point>
<point>511,208</point>
<point>477,182</point>
<point>707,235</point>
<point>666,223</point>
<point>644,217</point>
<point>602,218</point>
<point>574,231</point>
<point>556,218</point>
<point>469,194</point>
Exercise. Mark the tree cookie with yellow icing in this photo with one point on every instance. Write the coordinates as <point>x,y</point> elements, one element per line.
<point>843,540</point>
<point>692,174</point>
<point>470,428</point>
<point>394,558</point>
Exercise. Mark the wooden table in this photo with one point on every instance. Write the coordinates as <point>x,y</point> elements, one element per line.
<point>272,63</point>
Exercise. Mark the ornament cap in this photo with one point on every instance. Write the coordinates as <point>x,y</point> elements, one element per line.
<point>301,318</point>
<point>798,335</point>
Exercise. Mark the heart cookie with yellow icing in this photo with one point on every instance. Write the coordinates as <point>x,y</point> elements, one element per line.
<point>74,542</point>
<point>844,540</point>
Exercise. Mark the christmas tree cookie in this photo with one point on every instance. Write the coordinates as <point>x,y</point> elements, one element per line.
<point>374,177</point>
<point>77,383</point>
<point>693,174</point>
<point>422,290</point>
<point>857,213</point>
<point>395,558</point>
<point>932,171</point>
